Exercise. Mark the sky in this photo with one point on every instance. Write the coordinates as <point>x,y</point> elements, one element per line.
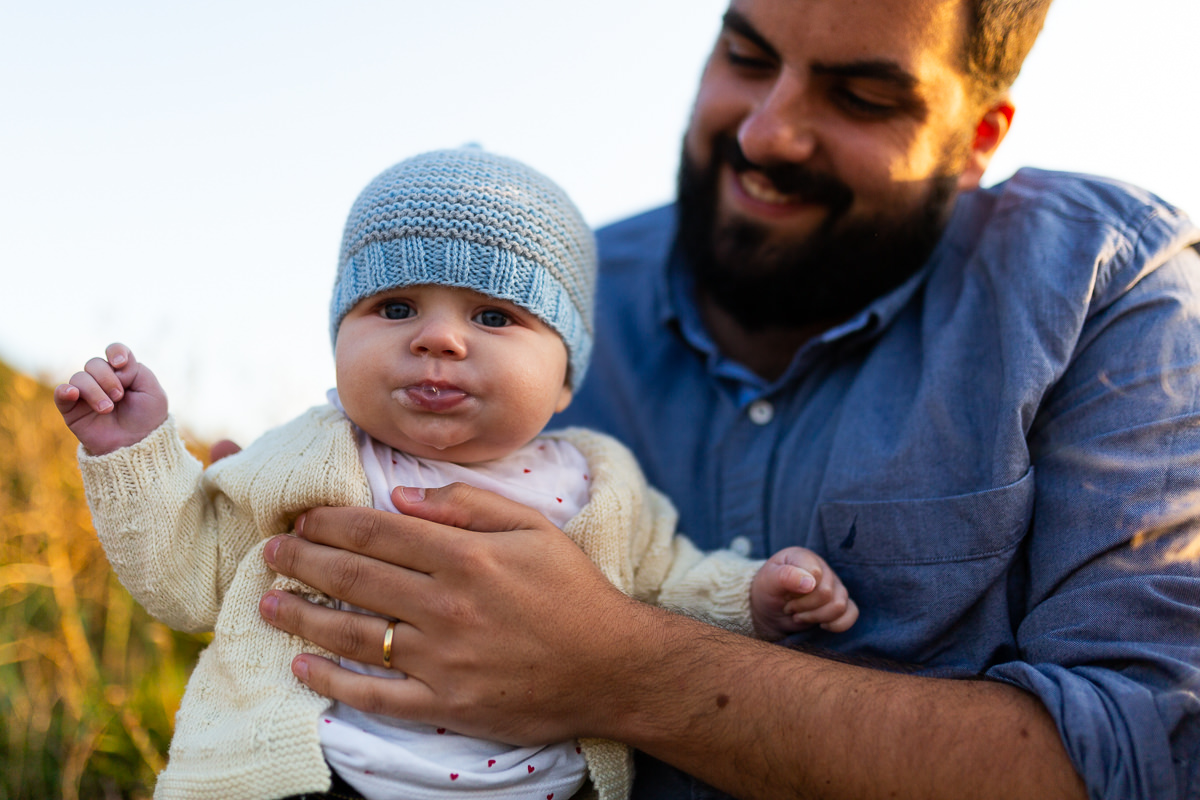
<point>175,175</point>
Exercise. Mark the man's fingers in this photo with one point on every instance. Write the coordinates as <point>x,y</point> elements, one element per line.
<point>223,449</point>
<point>429,531</point>
<point>393,697</point>
<point>349,634</point>
<point>360,577</point>
<point>467,507</point>
<point>360,637</point>
<point>408,542</point>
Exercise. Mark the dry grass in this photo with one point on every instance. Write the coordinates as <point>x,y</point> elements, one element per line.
<point>89,683</point>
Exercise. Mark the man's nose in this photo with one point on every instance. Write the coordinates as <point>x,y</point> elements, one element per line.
<point>440,336</point>
<point>781,127</point>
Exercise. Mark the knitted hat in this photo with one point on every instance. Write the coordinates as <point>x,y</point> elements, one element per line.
<point>475,220</point>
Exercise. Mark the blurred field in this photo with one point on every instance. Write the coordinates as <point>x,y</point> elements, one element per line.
<point>89,683</point>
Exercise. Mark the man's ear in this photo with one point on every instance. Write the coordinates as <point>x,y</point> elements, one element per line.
<point>990,131</point>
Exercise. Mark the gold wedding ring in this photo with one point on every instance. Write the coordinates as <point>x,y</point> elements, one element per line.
<point>387,645</point>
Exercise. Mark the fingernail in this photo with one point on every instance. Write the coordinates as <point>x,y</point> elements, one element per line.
<point>104,405</point>
<point>300,524</point>
<point>412,494</point>
<point>269,550</point>
<point>116,394</point>
<point>118,360</point>
<point>300,669</point>
<point>808,583</point>
<point>269,607</point>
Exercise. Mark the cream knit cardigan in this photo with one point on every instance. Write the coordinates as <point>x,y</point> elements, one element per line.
<point>188,542</point>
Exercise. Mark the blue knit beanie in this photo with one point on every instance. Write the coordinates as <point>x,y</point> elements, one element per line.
<point>472,219</point>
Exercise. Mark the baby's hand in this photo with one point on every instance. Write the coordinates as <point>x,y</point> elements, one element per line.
<point>111,404</point>
<point>795,590</point>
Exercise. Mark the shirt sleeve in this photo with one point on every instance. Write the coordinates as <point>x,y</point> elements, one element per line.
<point>1109,635</point>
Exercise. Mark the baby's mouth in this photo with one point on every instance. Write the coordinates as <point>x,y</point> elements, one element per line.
<point>435,395</point>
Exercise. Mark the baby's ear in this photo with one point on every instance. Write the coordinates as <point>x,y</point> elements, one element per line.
<point>564,398</point>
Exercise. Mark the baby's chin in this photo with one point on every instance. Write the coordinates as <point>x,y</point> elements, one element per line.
<point>456,449</point>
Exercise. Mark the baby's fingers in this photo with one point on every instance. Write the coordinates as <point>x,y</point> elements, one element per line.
<point>65,397</point>
<point>105,377</point>
<point>92,392</point>
<point>847,619</point>
<point>119,356</point>
<point>836,613</point>
<point>797,580</point>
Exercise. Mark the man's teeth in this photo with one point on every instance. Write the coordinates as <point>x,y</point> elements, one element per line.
<point>761,189</point>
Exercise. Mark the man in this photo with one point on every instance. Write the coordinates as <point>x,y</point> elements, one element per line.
<point>980,406</point>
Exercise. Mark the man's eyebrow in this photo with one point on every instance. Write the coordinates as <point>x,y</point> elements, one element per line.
<point>737,22</point>
<point>883,70</point>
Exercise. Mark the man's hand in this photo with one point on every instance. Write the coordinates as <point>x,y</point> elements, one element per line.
<point>507,631</point>
<point>503,625</point>
<point>223,449</point>
<point>112,403</point>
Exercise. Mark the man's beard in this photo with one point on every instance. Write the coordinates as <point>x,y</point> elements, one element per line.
<point>835,271</point>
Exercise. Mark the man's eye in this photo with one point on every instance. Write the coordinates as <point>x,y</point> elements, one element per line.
<point>745,55</point>
<point>856,104</point>
<point>747,61</point>
<point>491,318</point>
<point>396,310</point>
<point>747,58</point>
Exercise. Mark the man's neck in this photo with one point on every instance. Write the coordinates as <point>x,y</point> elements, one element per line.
<point>767,352</point>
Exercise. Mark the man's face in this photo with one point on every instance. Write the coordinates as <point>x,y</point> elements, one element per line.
<point>823,153</point>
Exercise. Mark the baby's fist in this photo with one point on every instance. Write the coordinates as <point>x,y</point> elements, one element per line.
<point>795,590</point>
<point>113,403</point>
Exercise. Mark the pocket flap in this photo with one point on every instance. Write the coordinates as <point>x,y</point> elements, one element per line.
<point>927,531</point>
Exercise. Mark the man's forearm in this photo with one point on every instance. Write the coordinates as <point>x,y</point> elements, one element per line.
<point>760,721</point>
<point>514,635</point>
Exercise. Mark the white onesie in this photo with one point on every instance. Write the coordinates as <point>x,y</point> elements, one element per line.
<point>390,759</point>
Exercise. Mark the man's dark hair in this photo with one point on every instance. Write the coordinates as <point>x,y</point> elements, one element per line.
<point>999,36</point>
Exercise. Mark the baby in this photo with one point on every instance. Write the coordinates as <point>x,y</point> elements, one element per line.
<point>462,320</point>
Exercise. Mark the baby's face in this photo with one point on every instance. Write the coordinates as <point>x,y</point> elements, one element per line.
<point>449,373</point>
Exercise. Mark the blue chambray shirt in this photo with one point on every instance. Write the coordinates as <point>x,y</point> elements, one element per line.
<point>1001,458</point>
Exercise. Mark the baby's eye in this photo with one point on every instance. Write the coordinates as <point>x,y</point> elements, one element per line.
<point>492,318</point>
<point>395,309</point>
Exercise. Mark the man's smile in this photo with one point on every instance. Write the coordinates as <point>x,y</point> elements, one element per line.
<point>760,188</point>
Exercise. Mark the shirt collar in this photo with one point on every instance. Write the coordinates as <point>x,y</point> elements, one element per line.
<point>678,311</point>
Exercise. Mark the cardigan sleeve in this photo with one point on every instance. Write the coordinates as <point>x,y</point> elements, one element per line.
<point>628,529</point>
<point>176,533</point>
<point>160,531</point>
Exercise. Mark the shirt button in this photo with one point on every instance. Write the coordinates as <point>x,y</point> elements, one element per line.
<point>761,412</point>
<point>741,546</point>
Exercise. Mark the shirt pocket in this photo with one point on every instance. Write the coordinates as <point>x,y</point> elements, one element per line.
<point>931,576</point>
